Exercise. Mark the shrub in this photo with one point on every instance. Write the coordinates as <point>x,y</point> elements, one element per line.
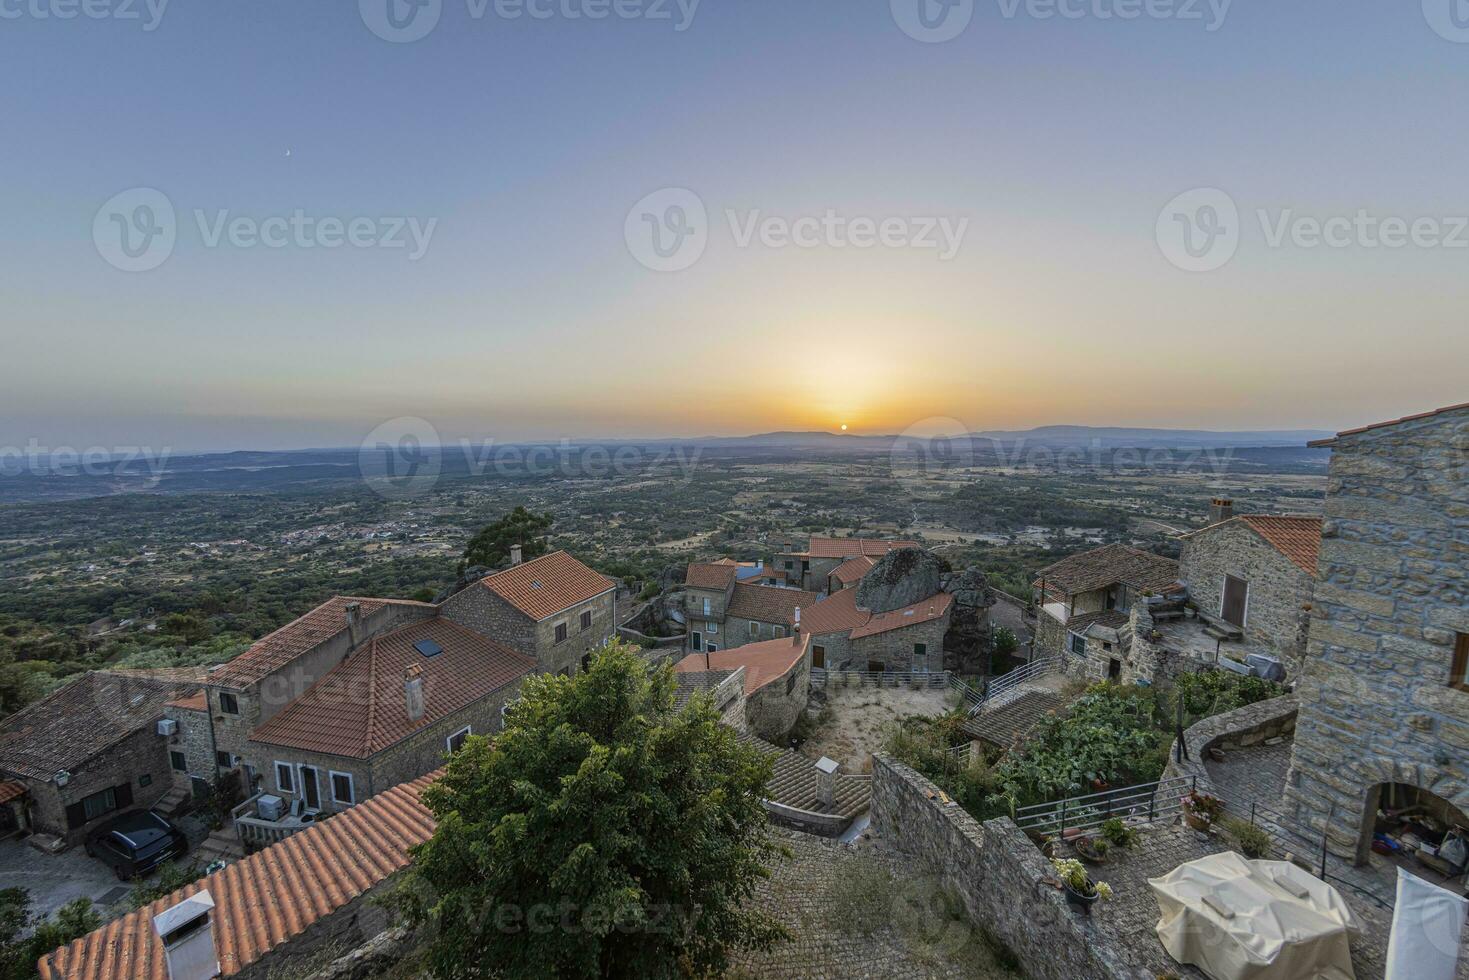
<point>1254,842</point>
<point>1118,833</point>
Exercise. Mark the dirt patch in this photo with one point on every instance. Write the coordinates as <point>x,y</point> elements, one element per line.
<point>854,720</point>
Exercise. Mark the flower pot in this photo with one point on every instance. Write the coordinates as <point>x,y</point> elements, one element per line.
<point>1089,853</point>
<point>1080,902</point>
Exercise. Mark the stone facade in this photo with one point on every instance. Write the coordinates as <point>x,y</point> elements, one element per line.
<point>195,741</point>
<point>483,611</point>
<point>1278,600</point>
<point>898,649</point>
<point>1391,602</point>
<point>136,769</point>
<point>771,710</point>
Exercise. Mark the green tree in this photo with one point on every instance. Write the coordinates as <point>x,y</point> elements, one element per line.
<point>1005,641</point>
<point>491,546</point>
<point>602,834</point>
<point>18,956</point>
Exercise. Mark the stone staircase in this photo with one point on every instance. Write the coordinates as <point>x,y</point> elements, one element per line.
<point>173,801</point>
<point>221,845</point>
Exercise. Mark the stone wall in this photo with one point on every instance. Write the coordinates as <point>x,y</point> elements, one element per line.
<point>999,875</point>
<point>325,940</point>
<point>772,709</point>
<point>195,739</point>
<point>894,648</point>
<point>483,611</point>
<point>139,763</point>
<point>837,653</point>
<point>735,632</point>
<point>1391,600</point>
<point>1240,728</point>
<point>1277,609</point>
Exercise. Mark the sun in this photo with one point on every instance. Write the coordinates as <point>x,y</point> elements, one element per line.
<point>844,427</point>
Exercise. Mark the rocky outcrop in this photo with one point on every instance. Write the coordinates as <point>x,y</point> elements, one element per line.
<point>900,578</point>
<point>969,622</point>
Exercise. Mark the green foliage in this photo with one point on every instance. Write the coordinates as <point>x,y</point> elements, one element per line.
<point>171,877</point>
<point>1212,692</point>
<point>1254,842</point>
<point>1005,641</point>
<point>1117,833</point>
<point>491,546</point>
<point>18,956</point>
<point>601,834</point>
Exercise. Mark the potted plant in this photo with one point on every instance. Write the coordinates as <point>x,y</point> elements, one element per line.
<point>1093,850</point>
<point>1200,810</point>
<point>1081,891</point>
<point>1117,833</point>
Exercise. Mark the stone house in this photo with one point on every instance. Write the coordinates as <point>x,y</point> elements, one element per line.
<point>777,681</point>
<point>387,714</point>
<point>1384,701</point>
<point>849,573</point>
<point>847,636</point>
<point>89,750</point>
<point>810,567</point>
<point>1256,573</point>
<point>1106,579</point>
<point>552,608</point>
<point>723,612</point>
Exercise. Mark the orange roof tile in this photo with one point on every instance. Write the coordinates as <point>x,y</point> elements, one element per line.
<point>1383,425</point>
<point>197,702</point>
<point>925,611</point>
<point>11,790</point>
<point>270,897</point>
<point>764,662</point>
<point>710,575</point>
<point>545,586</point>
<point>1298,538</point>
<point>768,603</point>
<point>276,650</point>
<point>853,569</point>
<point>851,547</point>
<point>839,613</point>
<point>358,708</point>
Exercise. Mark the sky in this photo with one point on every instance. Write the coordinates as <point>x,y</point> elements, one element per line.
<point>1053,195</point>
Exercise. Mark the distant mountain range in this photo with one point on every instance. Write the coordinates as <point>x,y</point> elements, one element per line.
<point>1057,436</point>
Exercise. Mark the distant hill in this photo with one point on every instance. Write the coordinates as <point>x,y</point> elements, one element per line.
<point>1105,437</point>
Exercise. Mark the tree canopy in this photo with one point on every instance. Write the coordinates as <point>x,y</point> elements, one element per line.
<point>491,546</point>
<point>602,834</point>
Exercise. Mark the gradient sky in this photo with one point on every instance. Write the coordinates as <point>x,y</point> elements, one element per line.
<point>529,141</point>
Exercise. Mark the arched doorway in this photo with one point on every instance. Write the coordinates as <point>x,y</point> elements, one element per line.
<point>1417,829</point>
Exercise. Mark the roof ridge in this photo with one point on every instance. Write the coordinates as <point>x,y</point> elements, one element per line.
<point>371,691</point>
<point>528,562</point>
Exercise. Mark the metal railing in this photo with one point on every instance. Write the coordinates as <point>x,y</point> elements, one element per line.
<point>821,677</point>
<point>1143,802</point>
<point>1006,687</point>
<point>1290,841</point>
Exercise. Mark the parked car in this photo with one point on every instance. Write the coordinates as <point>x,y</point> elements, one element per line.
<point>135,844</point>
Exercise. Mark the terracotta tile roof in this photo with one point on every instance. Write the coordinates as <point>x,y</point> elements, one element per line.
<point>86,716</point>
<point>839,613</point>
<point>357,709</point>
<point>195,702</point>
<point>764,662</point>
<point>934,607</point>
<point>853,569</point>
<point>276,650</point>
<point>1108,565</point>
<point>769,603</point>
<point>1107,619</point>
<point>709,575</point>
<point>851,547</point>
<point>270,897</point>
<point>545,586</point>
<point>1383,425</point>
<point>11,791</point>
<point>1298,538</point>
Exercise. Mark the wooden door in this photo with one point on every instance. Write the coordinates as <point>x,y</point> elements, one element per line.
<point>1236,595</point>
<point>818,656</point>
<point>310,792</point>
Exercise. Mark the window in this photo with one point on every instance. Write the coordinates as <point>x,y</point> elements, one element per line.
<point>586,620</point>
<point>560,632</point>
<point>706,606</point>
<point>1459,675</point>
<point>228,703</point>
<point>790,683</point>
<point>779,631</point>
<point>711,627</point>
<point>98,804</point>
<point>283,778</point>
<point>145,780</point>
<point>1078,644</point>
<point>455,742</point>
<point>223,760</point>
<point>342,789</point>
<point>754,630</point>
<point>713,648</point>
<point>790,564</point>
<point>178,762</point>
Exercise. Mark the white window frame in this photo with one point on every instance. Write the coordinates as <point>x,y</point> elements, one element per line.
<point>711,648</point>
<point>707,606</point>
<point>331,780</point>
<point>754,630</point>
<point>466,731</point>
<point>1071,638</point>
<point>711,627</point>
<point>290,772</point>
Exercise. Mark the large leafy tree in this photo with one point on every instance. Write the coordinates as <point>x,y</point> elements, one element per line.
<point>602,834</point>
<point>491,546</point>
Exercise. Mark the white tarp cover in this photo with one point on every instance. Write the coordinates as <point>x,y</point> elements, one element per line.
<point>1427,925</point>
<point>1254,920</point>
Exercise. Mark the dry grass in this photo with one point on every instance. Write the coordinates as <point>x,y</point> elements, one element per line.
<point>857,716</point>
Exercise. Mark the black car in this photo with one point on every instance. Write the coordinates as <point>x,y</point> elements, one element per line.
<point>136,843</point>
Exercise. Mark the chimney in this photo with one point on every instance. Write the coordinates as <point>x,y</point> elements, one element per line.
<point>1220,509</point>
<point>515,555</point>
<point>187,933</point>
<point>798,619</point>
<point>413,691</point>
<point>826,782</point>
<point>354,624</point>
